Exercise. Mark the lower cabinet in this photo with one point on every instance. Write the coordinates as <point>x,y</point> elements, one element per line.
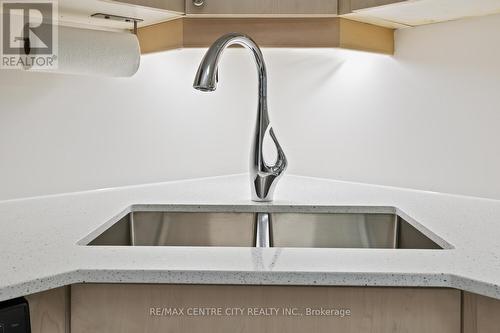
<point>49,311</point>
<point>162,308</point>
<point>481,314</point>
<point>131,308</point>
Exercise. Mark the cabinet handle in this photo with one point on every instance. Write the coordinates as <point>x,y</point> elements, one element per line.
<point>198,3</point>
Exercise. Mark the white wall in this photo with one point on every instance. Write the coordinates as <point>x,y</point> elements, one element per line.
<point>427,118</point>
<point>64,133</point>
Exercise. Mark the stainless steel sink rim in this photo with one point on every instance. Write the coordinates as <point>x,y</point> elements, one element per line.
<point>262,211</point>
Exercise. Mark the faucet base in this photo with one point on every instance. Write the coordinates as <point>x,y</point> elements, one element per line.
<point>262,187</point>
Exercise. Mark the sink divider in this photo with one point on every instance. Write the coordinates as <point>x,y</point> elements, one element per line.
<point>132,229</point>
<point>263,230</point>
<point>396,231</point>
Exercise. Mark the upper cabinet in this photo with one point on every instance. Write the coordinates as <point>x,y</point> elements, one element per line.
<point>170,5</point>
<point>79,13</point>
<point>353,24</point>
<point>392,13</point>
<point>410,13</point>
<point>348,6</point>
<point>386,13</point>
<point>261,7</point>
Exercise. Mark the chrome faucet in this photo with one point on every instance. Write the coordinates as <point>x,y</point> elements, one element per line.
<point>263,177</point>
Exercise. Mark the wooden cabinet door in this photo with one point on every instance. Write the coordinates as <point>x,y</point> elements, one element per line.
<point>263,7</point>
<point>132,308</point>
<point>481,314</point>
<point>49,311</point>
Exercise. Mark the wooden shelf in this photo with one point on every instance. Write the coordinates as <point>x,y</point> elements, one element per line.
<point>269,32</point>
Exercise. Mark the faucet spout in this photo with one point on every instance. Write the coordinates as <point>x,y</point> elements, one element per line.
<point>263,176</point>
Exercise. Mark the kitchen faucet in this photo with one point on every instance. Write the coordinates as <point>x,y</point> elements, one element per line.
<point>263,177</point>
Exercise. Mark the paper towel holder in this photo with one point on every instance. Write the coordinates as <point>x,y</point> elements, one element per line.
<point>119,18</point>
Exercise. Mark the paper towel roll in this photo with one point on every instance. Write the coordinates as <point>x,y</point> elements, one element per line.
<point>94,52</point>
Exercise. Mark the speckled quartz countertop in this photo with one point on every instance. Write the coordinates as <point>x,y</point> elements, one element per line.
<point>39,237</point>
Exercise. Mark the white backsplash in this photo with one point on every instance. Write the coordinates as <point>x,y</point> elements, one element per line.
<point>427,118</point>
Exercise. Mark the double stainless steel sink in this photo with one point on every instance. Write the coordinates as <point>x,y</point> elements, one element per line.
<point>264,226</point>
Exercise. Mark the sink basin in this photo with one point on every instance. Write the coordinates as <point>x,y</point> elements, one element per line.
<point>180,229</point>
<point>346,231</point>
<point>264,226</point>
